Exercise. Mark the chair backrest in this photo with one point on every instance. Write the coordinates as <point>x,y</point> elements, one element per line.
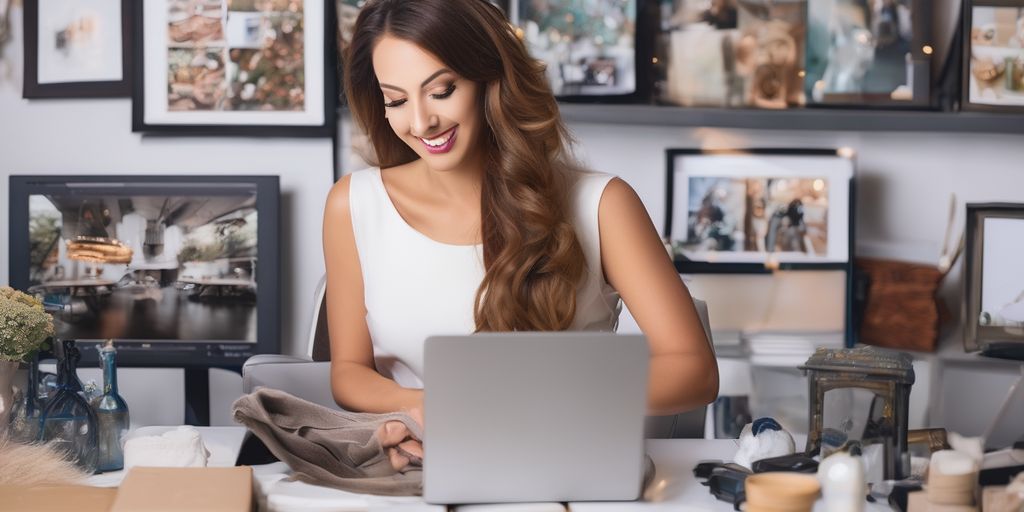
<point>318,345</point>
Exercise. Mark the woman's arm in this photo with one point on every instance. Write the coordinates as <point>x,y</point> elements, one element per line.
<point>355,383</point>
<point>683,371</point>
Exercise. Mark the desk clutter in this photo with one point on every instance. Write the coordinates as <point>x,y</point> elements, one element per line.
<point>851,463</point>
<point>88,424</point>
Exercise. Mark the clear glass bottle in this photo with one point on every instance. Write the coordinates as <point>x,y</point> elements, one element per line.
<point>111,412</point>
<point>25,417</point>
<point>68,421</point>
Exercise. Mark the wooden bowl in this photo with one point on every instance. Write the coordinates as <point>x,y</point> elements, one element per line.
<point>781,492</point>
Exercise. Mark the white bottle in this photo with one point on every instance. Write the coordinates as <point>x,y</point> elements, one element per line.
<point>842,483</point>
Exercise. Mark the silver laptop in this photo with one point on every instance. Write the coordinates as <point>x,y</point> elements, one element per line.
<point>516,417</point>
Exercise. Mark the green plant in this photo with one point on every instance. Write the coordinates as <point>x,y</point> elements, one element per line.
<point>24,325</point>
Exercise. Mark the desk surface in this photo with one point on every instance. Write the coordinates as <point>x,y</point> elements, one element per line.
<point>673,487</point>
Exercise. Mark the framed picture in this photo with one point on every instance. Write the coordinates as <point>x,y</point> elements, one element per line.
<point>758,209</point>
<point>238,67</point>
<point>994,284</point>
<point>993,55</point>
<point>731,53</point>
<point>77,48</point>
<point>590,47</point>
<point>869,52</point>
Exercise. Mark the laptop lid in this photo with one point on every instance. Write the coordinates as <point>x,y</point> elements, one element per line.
<point>514,417</point>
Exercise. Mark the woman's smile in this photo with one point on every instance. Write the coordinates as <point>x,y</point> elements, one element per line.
<point>443,143</point>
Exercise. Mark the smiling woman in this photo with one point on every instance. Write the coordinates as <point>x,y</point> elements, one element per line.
<point>475,180</point>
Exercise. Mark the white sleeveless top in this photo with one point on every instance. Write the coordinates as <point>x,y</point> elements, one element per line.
<point>416,287</point>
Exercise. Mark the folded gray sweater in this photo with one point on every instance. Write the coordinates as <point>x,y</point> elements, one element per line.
<point>327,446</point>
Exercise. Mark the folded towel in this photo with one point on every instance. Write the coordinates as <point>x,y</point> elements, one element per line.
<point>329,447</point>
<point>179,448</point>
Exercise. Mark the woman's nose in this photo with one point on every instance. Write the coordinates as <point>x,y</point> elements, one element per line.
<point>424,123</point>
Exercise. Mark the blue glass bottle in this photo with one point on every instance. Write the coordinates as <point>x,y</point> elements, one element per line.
<point>111,412</point>
<point>68,421</point>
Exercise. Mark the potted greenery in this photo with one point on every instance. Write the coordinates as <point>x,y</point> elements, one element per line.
<point>24,328</point>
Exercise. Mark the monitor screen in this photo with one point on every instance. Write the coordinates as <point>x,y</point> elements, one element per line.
<point>177,270</point>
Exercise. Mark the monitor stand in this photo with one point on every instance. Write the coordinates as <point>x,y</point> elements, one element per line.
<point>197,396</point>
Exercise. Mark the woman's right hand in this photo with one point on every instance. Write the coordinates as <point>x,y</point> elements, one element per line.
<point>403,448</point>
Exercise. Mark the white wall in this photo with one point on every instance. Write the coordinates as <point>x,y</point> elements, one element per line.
<point>93,136</point>
<point>904,179</point>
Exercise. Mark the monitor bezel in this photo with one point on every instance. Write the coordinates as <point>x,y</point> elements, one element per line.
<point>173,353</point>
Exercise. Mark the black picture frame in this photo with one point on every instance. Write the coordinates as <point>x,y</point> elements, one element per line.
<point>642,54</point>
<point>321,118</point>
<point>733,266</point>
<point>33,89</point>
<point>921,49</point>
<point>972,76</point>
<point>984,330</point>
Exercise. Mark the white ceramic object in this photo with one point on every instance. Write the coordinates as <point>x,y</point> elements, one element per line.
<point>842,483</point>
<point>767,444</point>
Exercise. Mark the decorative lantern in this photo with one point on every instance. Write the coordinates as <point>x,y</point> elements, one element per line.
<point>888,375</point>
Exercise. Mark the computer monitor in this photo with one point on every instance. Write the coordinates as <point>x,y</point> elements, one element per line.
<point>180,271</point>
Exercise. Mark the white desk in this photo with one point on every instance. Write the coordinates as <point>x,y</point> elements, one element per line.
<point>673,487</point>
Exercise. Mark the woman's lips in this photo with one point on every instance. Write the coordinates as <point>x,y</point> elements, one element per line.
<point>446,146</point>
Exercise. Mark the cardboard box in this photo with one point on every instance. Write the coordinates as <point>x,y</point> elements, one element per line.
<point>54,498</point>
<point>195,489</point>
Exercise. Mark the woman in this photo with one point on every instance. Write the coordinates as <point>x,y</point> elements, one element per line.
<point>478,219</point>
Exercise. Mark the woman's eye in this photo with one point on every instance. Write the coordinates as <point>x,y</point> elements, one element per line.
<point>446,93</point>
<point>396,103</point>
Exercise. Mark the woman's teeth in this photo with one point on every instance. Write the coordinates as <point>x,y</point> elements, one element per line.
<point>439,141</point>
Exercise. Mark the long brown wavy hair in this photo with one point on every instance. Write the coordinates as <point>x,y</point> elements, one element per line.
<point>533,261</point>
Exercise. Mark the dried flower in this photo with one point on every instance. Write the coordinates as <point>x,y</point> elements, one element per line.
<point>24,324</point>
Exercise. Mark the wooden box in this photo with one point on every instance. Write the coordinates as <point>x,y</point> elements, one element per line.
<point>901,309</point>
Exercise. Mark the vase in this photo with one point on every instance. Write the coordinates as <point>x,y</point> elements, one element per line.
<point>24,421</point>
<point>111,412</point>
<point>8,369</point>
<point>68,422</point>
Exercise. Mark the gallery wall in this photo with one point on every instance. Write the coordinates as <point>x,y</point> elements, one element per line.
<point>94,137</point>
<point>904,179</point>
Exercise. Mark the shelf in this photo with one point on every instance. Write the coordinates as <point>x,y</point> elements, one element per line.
<point>806,119</point>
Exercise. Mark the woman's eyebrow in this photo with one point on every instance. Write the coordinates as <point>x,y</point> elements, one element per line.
<point>424,84</point>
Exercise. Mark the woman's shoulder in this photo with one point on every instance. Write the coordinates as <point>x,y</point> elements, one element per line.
<point>589,185</point>
<point>340,190</point>
<point>338,196</point>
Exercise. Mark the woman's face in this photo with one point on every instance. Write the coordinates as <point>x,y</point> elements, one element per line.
<point>435,111</point>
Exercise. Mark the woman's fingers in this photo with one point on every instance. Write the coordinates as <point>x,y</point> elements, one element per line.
<point>391,433</point>
<point>397,458</point>
<point>401,446</point>
<point>412,447</point>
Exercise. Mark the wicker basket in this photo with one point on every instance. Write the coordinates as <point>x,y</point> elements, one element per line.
<point>901,309</point>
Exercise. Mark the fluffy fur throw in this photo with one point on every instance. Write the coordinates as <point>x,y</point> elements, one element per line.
<point>34,464</point>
